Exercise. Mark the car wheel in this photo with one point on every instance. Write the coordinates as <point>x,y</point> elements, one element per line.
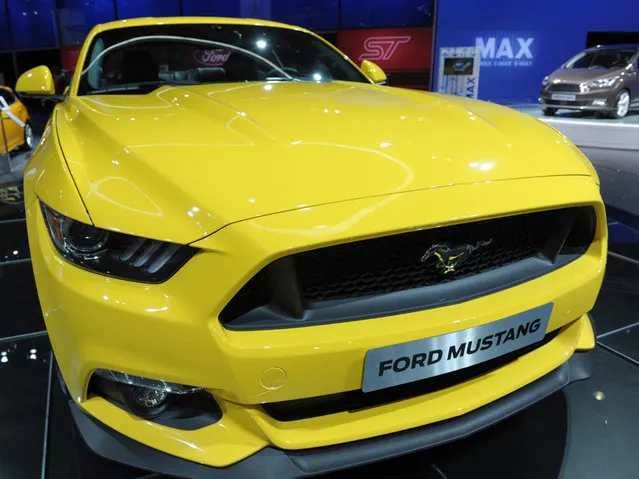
<point>28,137</point>
<point>622,105</point>
<point>549,111</point>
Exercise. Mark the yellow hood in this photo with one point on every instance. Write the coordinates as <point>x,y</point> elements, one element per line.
<point>181,162</point>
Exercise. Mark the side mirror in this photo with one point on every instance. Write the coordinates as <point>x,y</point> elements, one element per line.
<point>373,72</point>
<point>37,81</point>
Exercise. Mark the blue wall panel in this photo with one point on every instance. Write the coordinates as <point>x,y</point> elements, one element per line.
<point>387,13</point>
<point>219,8</point>
<point>148,8</point>
<point>78,17</point>
<point>313,14</point>
<point>5,39</point>
<point>33,23</point>
<point>549,32</point>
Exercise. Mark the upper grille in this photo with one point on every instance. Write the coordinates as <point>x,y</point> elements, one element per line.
<point>386,275</point>
<point>393,263</point>
<point>565,87</point>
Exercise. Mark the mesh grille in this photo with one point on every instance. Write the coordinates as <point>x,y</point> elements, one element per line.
<point>564,87</point>
<point>393,263</point>
<point>567,103</point>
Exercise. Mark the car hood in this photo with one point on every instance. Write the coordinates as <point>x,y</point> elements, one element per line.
<point>182,162</point>
<point>579,75</point>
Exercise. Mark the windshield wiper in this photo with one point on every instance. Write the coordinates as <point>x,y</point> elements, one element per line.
<point>281,79</point>
<point>146,85</point>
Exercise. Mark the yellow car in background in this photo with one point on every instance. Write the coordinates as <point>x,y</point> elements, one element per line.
<point>16,131</point>
<point>256,260</point>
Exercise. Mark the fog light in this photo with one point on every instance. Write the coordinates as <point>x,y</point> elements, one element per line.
<point>600,102</point>
<point>149,398</point>
<point>144,397</point>
<point>171,404</point>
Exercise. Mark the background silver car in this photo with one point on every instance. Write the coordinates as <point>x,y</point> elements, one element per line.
<point>603,78</point>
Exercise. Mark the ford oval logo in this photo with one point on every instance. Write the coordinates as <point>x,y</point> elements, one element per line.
<point>212,58</point>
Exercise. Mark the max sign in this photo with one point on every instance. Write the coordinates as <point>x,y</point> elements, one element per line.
<point>506,52</point>
<point>391,48</point>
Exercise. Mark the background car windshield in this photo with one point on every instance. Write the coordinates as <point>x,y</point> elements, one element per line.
<point>602,59</point>
<point>248,53</point>
<point>7,95</point>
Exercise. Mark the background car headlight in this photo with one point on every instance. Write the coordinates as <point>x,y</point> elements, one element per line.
<point>114,254</point>
<point>604,82</point>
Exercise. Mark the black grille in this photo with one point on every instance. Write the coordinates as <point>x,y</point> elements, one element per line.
<point>358,400</point>
<point>551,102</point>
<point>564,87</point>
<point>386,275</point>
<point>393,263</point>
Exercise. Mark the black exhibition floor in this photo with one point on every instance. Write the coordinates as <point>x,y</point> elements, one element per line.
<point>590,430</point>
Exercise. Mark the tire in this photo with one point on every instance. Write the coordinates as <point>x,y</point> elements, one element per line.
<point>28,137</point>
<point>549,111</point>
<point>622,105</point>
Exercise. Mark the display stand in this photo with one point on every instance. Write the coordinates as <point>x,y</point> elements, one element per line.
<point>613,148</point>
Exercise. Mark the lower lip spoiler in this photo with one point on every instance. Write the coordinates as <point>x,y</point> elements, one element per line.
<point>273,463</point>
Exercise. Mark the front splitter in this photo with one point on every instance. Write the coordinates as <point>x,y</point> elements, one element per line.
<point>274,463</point>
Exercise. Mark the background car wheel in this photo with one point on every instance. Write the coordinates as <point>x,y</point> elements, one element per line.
<point>622,105</point>
<point>549,111</point>
<point>28,137</point>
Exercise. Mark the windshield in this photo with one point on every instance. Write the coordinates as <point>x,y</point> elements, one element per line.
<point>136,60</point>
<point>607,59</point>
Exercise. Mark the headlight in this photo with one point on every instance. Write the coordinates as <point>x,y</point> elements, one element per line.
<point>114,254</point>
<point>545,81</point>
<point>604,82</point>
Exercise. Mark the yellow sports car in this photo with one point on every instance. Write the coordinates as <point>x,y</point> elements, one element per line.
<point>254,259</point>
<point>16,130</point>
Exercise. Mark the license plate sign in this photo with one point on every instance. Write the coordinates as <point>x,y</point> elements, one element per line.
<point>425,358</point>
<point>563,97</point>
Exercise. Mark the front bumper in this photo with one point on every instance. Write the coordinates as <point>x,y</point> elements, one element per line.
<point>275,463</point>
<point>171,331</point>
<point>603,99</point>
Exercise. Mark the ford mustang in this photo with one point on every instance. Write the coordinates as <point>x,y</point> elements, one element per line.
<point>254,259</point>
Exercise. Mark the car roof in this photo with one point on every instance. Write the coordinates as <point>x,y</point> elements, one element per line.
<point>614,47</point>
<point>151,21</point>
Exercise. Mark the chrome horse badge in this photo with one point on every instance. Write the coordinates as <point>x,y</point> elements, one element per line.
<point>451,257</point>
